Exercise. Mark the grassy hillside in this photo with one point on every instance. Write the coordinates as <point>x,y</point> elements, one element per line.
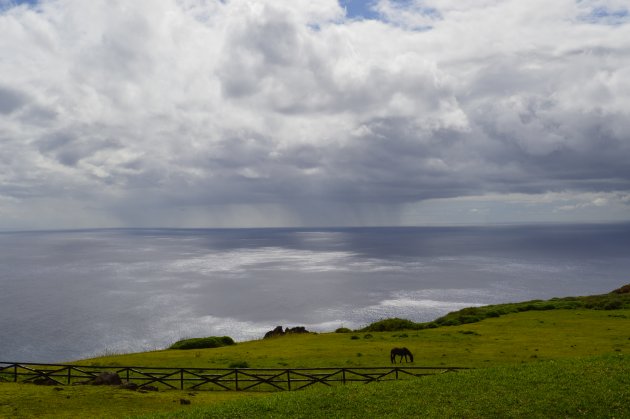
<point>530,363</point>
<point>593,387</point>
<point>509,339</point>
<point>615,300</point>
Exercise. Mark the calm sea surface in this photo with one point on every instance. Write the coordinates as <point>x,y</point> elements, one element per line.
<point>68,295</point>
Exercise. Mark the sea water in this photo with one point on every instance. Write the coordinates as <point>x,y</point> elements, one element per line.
<point>66,295</point>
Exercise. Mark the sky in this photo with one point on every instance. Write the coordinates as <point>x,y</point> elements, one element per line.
<point>279,113</point>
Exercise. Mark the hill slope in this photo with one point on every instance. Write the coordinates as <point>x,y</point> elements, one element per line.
<point>592,387</point>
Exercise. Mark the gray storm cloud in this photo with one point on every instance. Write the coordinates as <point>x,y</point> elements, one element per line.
<point>178,112</point>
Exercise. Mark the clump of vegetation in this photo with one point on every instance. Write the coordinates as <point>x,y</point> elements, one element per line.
<point>616,300</point>
<point>391,325</point>
<point>623,290</point>
<point>239,364</point>
<point>343,330</point>
<point>611,301</point>
<point>202,343</point>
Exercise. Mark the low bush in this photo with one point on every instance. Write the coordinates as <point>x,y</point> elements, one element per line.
<point>239,364</point>
<point>343,330</point>
<point>203,343</point>
<point>613,305</point>
<point>391,325</point>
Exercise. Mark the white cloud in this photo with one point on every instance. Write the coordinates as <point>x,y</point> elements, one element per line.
<point>152,108</point>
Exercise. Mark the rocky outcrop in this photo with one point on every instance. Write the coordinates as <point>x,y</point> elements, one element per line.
<point>278,331</point>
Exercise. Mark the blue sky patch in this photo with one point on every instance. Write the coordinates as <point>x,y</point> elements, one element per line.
<point>603,15</point>
<point>359,9</point>
<point>31,2</point>
<point>5,5</point>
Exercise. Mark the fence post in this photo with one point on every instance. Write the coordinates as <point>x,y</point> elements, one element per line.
<point>396,373</point>
<point>69,375</point>
<point>181,376</point>
<point>289,379</point>
<point>236,378</point>
<point>15,367</point>
<point>343,376</point>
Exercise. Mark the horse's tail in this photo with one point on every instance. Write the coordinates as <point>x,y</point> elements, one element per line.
<point>410,355</point>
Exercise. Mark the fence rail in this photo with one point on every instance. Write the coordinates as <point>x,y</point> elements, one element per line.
<point>260,379</point>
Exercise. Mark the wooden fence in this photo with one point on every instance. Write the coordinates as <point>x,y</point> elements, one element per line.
<point>260,379</point>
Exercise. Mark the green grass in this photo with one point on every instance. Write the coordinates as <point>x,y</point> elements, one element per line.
<point>513,338</point>
<point>618,299</point>
<point>564,362</point>
<point>593,387</point>
<point>31,401</point>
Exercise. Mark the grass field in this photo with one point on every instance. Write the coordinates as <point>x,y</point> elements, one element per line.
<point>593,387</point>
<point>509,339</point>
<point>565,363</point>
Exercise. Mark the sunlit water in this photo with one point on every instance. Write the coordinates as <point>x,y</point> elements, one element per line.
<point>70,295</point>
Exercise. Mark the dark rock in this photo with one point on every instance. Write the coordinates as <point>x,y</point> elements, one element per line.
<point>275,332</point>
<point>184,401</point>
<point>278,331</point>
<point>129,386</point>
<point>149,388</point>
<point>44,381</point>
<point>297,330</point>
<point>106,379</point>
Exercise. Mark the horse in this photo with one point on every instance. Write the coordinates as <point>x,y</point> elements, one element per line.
<point>401,352</point>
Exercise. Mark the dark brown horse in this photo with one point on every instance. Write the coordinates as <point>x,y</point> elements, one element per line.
<point>402,353</point>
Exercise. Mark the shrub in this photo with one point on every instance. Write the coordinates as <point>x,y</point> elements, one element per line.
<point>343,330</point>
<point>623,290</point>
<point>202,343</point>
<point>472,319</point>
<point>239,364</point>
<point>613,305</point>
<point>391,325</point>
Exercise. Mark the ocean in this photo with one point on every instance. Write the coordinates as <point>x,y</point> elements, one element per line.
<point>68,295</point>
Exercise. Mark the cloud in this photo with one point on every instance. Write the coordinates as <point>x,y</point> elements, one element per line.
<point>150,109</point>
